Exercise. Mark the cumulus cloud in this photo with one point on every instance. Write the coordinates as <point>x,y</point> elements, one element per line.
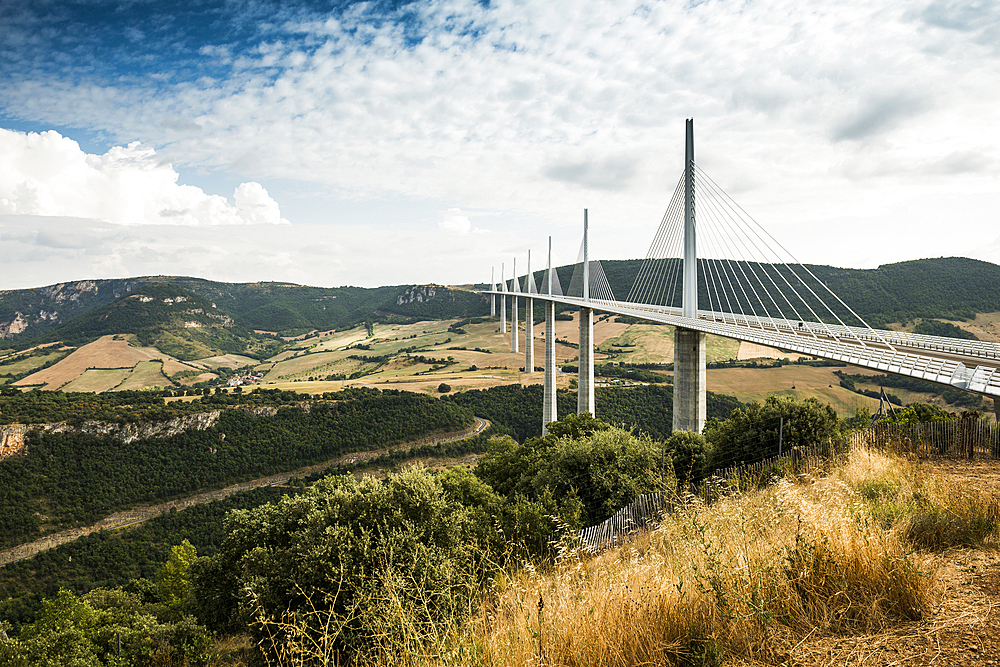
<point>49,175</point>
<point>456,221</point>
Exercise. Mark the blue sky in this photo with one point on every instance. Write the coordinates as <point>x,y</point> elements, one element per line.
<point>333,143</point>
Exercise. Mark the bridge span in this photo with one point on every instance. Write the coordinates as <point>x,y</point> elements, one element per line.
<point>767,289</point>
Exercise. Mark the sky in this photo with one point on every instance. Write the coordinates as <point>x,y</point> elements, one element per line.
<point>371,143</point>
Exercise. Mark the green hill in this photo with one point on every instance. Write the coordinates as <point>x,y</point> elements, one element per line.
<point>174,320</point>
<point>48,313</point>
<point>946,288</point>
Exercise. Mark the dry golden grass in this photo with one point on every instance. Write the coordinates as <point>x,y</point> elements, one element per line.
<point>745,579</point>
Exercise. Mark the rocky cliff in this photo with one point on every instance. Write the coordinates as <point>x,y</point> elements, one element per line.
<point>13,436</point>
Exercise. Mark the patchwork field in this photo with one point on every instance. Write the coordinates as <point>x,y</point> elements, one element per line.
<point>145,374</point>
<point>20,363</point>
<point>473,356</point>
<point>105,352</point>
<point>222,361</point>
<point>98,379</point>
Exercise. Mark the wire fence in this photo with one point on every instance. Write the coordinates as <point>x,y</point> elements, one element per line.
<point>967,438</point>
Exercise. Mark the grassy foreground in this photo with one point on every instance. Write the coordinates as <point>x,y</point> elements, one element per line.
<point>839,548</point>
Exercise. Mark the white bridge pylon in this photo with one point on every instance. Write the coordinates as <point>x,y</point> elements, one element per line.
<point>754,290</point>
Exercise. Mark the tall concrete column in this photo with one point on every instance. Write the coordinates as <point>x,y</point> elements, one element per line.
<point>585,381</point>
<point>514,333</point>
<point>529,323</point>
<point>689,345</point>
<point>549,405</point>
<point>493,297</point>
<point>503,302</point>
<point>529,335</point>
<point>690,407</point>
<point>585,378</point>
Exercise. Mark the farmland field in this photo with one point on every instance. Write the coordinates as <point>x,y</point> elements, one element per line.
<point>98,379</point>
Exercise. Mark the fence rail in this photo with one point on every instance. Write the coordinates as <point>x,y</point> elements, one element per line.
<point>961,438</point>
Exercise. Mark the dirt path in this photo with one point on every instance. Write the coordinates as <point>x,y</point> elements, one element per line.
<point>964,626</point>
<point>144,513</point>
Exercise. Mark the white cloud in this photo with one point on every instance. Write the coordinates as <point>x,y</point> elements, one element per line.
<point>48,174</point>
<point>840,122</point>
<point>456,221</point>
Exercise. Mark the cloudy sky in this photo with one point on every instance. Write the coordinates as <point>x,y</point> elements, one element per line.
<point>335,143</point>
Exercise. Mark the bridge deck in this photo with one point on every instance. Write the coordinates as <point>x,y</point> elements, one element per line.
<point>936,359</point>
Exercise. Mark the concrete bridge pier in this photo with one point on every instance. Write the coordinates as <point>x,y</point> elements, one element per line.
<point>493,297</point>
<point>690,407</point>
<point>585,380</point>
<point>503,301</point>
<point>549,406</point>
<point>529,321</point>
<point>529,335</point>
<point>550,411</point>
<point>514,333</point>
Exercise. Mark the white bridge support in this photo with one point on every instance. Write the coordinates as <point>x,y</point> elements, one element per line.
<point>585,378</point>
<point>549,406</point>
<point>690,408</point>
<point>529,323</point>
<point>514,333</point>
<point>503,301</point>
<point>493,297</point>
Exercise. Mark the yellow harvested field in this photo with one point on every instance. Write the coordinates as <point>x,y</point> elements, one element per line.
<point>145,374</point>
<point>105,352</point>
<point>98,380</point>
<point>306,364</point>
<point>757,351</point>
<point>800,382</point>
<point>222,361</point>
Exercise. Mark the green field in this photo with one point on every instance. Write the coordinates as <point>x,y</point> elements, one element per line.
<point>650,343</point>
<point>145,374</point>
<point>98,379</point>
<point>23,364</point>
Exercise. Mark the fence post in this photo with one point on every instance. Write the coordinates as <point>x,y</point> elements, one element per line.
<point>781,432</point>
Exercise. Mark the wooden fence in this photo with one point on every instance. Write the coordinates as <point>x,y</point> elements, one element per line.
<point>961,438</point>
<point>958,438</point>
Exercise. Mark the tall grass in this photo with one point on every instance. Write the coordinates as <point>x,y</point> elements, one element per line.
<point>747,577</point>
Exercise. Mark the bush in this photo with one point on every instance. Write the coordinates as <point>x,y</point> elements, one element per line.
<point>353,553</point>
<point>444,388</point>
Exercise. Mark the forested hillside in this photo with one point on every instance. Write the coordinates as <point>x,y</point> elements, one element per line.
<point>67,479</point>
<point>283,308</point>
<point>517,410</point>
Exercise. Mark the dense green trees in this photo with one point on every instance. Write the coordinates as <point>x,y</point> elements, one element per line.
<point>517,410</point>
<point>107,627</point>
<point>581,459</point>
<point>76,478</point>
<point>358,549</point>
<point>754,431</point>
